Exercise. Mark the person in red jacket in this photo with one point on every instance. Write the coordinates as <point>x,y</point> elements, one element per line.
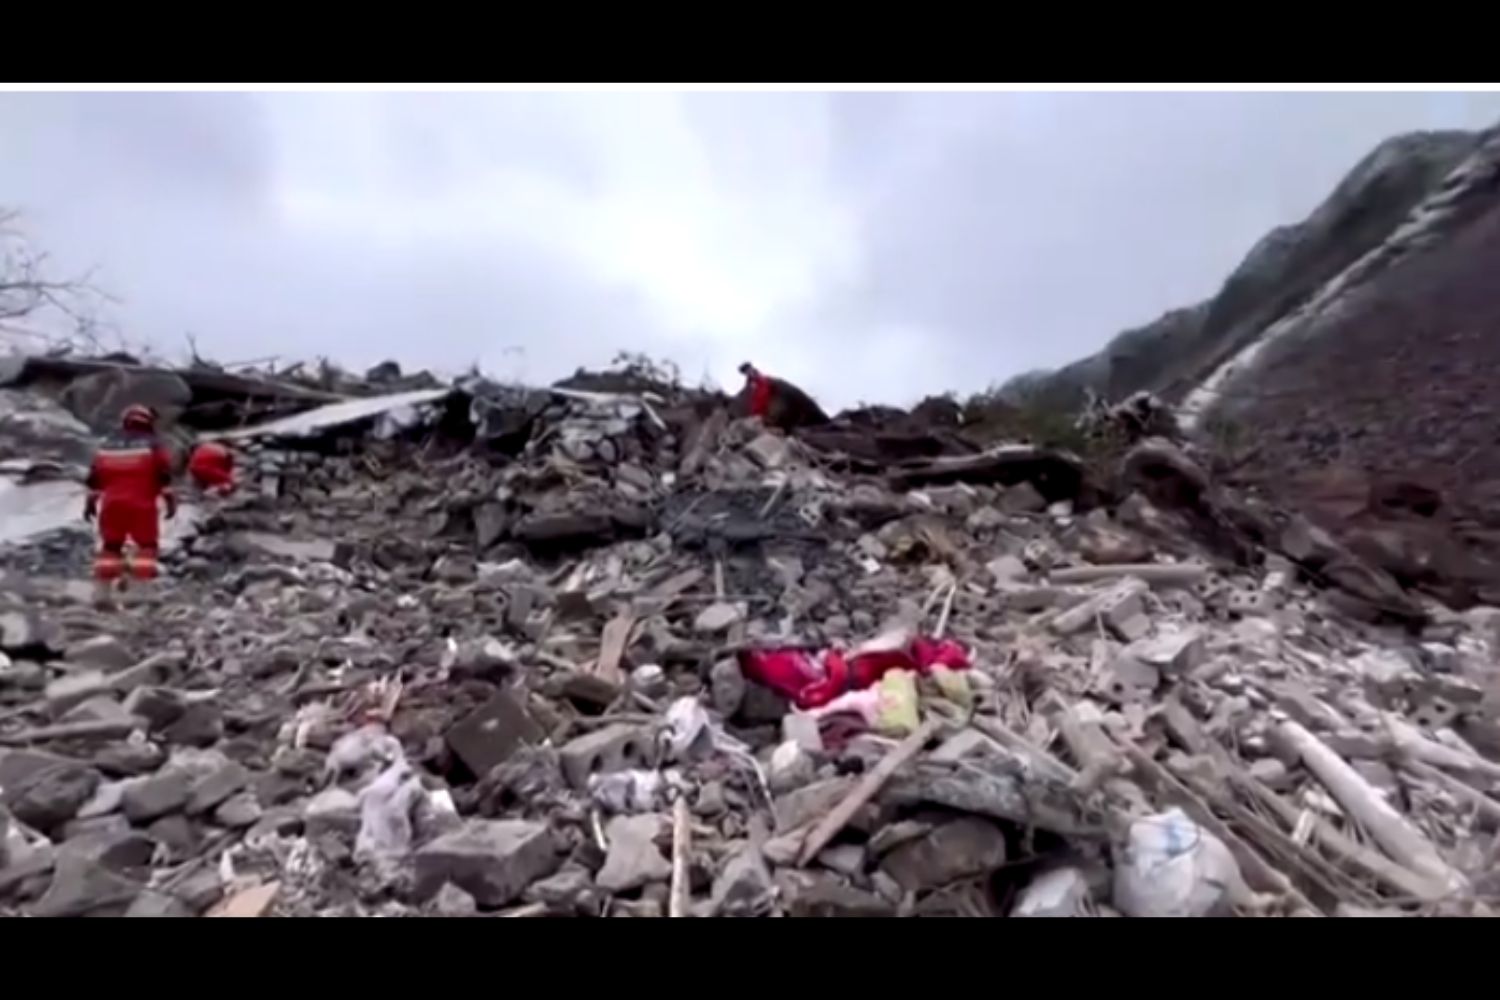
<point>760,390</point>
<point>126,478</point>
<point>211,465</point>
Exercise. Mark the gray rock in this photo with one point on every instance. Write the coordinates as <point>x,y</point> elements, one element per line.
<point>961,849</point>
<point>238,811</point>
<point>492,860</point>
<point>213,788</point>
<point>81,886</point>
<point>726,687</point>
<point>332,811</point>
<point>23,636</point>
<point>1058,893</point>
<point>104,653</point>
<point>199,726</point>
<point>200,889</point>
<point>52,797</point>
<point>129,759</point>
<point>490,523</point>
<point>818,894</point>
<point>491,733</point>
<point>568,890</point>
<point>1021,498</point>
<point>157,795</point>
<point>74,689</point>
<point>160,707</point>
<point>177,834</point>
<point>633,859</point>
<point>158,904</point>
<point>791,767</point>
<point>451,901</point>
<point>744,887</point>
<point>718,618</point>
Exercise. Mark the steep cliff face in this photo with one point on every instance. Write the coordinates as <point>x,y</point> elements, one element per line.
<point>1356,358</point>
<point>1283,271</point>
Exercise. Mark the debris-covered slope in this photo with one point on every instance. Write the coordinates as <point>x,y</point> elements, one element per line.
<point>581,652</point>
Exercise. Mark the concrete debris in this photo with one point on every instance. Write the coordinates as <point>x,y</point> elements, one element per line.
<point>467,649</point>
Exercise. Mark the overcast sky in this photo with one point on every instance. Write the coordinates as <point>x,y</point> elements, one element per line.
<point>867,246</point>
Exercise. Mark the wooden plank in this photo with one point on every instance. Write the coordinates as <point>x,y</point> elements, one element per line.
<point>1396,836</point>
<point>869,786</point>
<point>251,902</point>
<point>612,642</point>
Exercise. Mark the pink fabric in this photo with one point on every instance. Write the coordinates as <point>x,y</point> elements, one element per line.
<point>810,681</point>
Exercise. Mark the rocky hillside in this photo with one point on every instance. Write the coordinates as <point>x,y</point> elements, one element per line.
<point>1283,271</point>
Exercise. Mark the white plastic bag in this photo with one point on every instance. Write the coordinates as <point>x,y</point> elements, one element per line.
<point>385,813</point>
<point>1173,868</point>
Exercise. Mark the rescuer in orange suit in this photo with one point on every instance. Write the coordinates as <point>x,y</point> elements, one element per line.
<point>760,390</point>
<point>211,465</point>
<point>126,478</point>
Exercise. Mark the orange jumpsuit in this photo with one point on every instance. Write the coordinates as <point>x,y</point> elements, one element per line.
<point>212,467</point>
<point>760,395</point>
<point>127,476</point>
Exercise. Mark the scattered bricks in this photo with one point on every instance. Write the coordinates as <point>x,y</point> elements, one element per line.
<point>1245,603</point>
<point>492,860</point>
<point>1130,680</point>
<point>1434,712</point>
<point>1118,604</point>
<point>491,733</point>
<point>1177,652</point>
<point>616,747</point>
<point>1388,676</point>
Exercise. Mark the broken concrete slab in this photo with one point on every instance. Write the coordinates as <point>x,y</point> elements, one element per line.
<point>492,860</point>
<point>634,860</point>
<point>959,849</point>
<point>491,733</point>
<point>615,747</point>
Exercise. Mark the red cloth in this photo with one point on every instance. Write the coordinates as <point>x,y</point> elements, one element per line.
<point>798,674</point>
<point>212,467</point>
<point>760,395</point>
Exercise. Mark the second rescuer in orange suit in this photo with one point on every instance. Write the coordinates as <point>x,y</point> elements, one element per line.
<point>127,477</point>
<point>211,465</point>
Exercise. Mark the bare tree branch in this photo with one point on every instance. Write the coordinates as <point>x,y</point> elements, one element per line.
<point>39,309</point>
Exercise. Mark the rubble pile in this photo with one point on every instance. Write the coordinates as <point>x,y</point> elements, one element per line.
<point>617,653</point>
